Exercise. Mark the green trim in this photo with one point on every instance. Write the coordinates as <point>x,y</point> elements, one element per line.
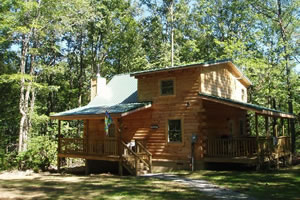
<point>246,105</point>
<point>98,110</point>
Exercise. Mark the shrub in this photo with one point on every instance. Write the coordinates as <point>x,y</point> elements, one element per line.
<point>40,154</point>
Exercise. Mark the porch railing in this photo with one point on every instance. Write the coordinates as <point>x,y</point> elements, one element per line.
<point>233,147</point>
<point>247,147</point>
<point>91,147</point>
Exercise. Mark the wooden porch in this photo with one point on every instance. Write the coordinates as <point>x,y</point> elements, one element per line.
<point>247,150</point>
<point>136,159</point>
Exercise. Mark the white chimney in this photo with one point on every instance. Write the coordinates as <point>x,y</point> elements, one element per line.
<point>96,85</point>
<point>101,83</point>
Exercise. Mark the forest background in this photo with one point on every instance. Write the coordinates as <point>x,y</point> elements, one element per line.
<point>50,49</point>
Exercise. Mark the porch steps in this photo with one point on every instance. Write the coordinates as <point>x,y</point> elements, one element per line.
<point>138,162</point>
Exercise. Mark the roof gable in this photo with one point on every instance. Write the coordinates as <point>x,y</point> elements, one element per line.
<point>229,62</point>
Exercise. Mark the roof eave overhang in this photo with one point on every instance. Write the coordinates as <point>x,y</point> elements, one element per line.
<point>84,117</point>
<point>243,77</point>
<point>244,107</point>
<point>176,68</point>
<point>99,116</point>
<point>136,110</point>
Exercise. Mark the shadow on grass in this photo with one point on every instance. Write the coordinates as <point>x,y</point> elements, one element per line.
<point>276,184</point>
<point>99,187</point>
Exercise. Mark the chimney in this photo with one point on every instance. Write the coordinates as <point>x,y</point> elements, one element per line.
<point>96,85</point>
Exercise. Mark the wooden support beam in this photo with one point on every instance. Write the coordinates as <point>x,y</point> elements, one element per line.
<point>267,126</point>
<point>59,146</point>
<point>258,147</point>
<point>288,127</point>
<point>58,163</point>
<point>87,169</point>
<point>274,125</point>
<point>118,124</point>
<point>87,136</point>
<point>256,125</point>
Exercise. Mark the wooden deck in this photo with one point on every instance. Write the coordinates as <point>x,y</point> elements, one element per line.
<point>137,160</point>
<point>94,150</point>
<point>247,150</point>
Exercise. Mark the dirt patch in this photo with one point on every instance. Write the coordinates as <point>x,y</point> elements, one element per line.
<point>45,185</point>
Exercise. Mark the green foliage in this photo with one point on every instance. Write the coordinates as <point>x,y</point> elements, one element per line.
<point>69,39</point>
<point>41,153</point>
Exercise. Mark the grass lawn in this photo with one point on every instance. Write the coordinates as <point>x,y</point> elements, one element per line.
<point>278,184</point>
<point>105,186</point>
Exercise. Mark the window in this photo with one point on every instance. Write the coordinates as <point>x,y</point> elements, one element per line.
<point>174,131</point>
<point>243,95</point>
<point>111,130</point>
<point>167,87</point>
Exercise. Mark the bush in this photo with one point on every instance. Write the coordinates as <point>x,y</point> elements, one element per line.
<point>8,160</point>
<point>40,154</point>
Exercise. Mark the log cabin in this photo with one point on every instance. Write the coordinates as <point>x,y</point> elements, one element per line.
<point>170,118</point>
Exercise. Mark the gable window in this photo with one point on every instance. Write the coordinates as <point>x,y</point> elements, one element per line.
<point>243,95</point>
<point>174,131</point>
<point>167,87</point>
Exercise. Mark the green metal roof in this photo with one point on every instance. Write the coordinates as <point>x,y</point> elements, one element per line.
<point>248,106</point>
<point>121,88</point>
<point>118,96</point>
<point>98,110</point>
<point>181,66</point>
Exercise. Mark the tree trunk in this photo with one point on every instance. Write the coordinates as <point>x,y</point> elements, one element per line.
<point>288,74</point>
<point>22,91</point>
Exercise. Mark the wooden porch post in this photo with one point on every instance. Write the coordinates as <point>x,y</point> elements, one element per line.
<point>275,127</point>
<point>59,146</point>
<point>87,169</point>
<point>290,160</point>
<point>267,126</point>
<point>119,143</point>
<point>288,128</point>
<point>86,135</point>
<point>257,141</point>
<point>256,126</point>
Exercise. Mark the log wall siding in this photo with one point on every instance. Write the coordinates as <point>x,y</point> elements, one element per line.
<point>184,105</point>
<point>96,129</point>
<point>218,118</point>
<point>221,81</point>
<point>136,126</point>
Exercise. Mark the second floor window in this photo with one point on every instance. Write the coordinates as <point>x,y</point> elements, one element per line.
<point>167,87</point>
<point>243,95</point>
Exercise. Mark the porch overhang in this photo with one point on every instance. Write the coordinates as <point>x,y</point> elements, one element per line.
<point>247,106</point>
<point>98,112</point>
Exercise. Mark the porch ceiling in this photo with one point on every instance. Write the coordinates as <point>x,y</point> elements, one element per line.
<point>247,106</point>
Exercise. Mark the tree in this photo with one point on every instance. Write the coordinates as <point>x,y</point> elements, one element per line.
<point>282,19</point>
